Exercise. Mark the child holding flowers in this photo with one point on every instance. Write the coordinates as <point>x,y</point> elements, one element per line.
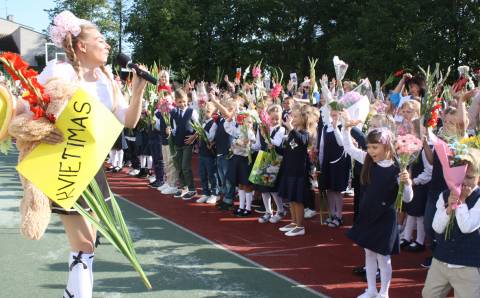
<point>240,165</point>
<point>456,262</point>
<point>294,182</point>
<point>271,121</point>
<point>375,229</point>
<point>207,167</point>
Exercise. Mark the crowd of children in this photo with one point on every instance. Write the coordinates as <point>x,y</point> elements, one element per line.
<point>323,151</point>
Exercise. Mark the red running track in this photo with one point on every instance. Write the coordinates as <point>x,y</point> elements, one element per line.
<point>323,259</point>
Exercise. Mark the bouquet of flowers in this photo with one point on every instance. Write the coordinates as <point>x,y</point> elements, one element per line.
<point>165,106</point>
<point>340,71</point>
<point>278,78</point>
<point>240,120</point>
<point>313,62</point>
<point>407,149</point>
<point>200,132</point>
<point>433,95</point>
<point>264,126</point>
<point>265,169</point>
<point>151,96</point>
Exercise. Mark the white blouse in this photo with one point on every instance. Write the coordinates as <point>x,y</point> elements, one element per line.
<point>102,89</point>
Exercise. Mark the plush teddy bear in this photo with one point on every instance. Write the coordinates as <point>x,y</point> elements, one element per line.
<point>35,205</point>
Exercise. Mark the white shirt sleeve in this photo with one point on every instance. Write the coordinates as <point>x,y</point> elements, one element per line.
<point>468,220</point>
<point>230,127</point>
<point>426,175</point>
<point>257,145</point>
<point>407,194</point>
<point>122,106</point>
<point>321,151</point>
<point>440,220</point>
<point>338,136</point>
<point>212,131</point>
<point>357,154</point>
<point>195,116</point>
<point>278,138</point>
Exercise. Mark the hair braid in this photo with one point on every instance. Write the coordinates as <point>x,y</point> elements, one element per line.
<point>69,50</point>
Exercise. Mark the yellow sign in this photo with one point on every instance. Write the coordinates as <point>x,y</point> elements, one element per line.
<point>64,170</point>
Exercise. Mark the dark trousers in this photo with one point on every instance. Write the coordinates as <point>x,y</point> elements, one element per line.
<point>208,175</point>
<point>131,155</point>
<point>183,163</point>
<point>158,167</point>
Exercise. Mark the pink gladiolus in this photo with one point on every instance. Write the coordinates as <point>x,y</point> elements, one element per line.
<point>256,72</point>
<point>277,89</point>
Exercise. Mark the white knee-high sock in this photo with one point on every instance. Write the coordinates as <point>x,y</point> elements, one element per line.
<point>149,162</point>
<point>90,268</point>
<point>371,269</point>
<point>143,161</point>
<point>111,156</point>
<point>420,230</point>
<point>249,199</point>
<point>385,264</point>
<point>119,158</point>
<point>80,280</point>
<point>408,230</point>
<point>267,201</point>
<point>338,204</point>
<point>241,198</point>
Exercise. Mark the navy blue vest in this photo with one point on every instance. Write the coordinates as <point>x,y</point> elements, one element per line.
<point>460,249</point>
<point>183,126</point>
<point>263,143</point>
<point>203,149</point>
<point>222,139</point>
<point>437,184</point>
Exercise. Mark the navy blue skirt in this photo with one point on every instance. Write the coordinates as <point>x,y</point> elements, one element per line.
<point>294,189</point>
<point>238,170</point>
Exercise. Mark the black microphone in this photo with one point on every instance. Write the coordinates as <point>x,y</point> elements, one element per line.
<point>125,61</point>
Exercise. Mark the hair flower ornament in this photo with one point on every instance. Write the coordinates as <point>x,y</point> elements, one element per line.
<point>65,22</point>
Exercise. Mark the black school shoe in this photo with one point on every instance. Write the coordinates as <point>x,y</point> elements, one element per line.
<point>154,184</point>
<point>245,213</point>
<point>404,243</point>
<point>427,263</point>
<point>238,211</point>
<point>415,247</point>
<point>224,206</point>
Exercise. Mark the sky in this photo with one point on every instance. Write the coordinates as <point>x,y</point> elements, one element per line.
<point>27,12</point>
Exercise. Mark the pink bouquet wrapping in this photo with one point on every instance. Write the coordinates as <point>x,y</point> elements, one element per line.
<point>407,149</point>
<point>453,175</point>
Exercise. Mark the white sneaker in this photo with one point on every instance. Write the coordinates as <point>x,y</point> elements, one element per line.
<point>298,231</point>
<point>170,190</point>
<point>368,294</point>
<point>265,218</point>
<point>212,200</point>
<point>133,172</point>
<point>309,213</point>
<point>288,227</point>
<point>276,218</point>
<point>203,199</point>
<point>163,187</point>
<point>382,296</point>
<point>152,178</point>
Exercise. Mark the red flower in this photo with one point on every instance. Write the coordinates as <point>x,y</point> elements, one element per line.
<point>458,85</point>
<point>51,118</point>
<point>240,118</point>
<point>399,73</point>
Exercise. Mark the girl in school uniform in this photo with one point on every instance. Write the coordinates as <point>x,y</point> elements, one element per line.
<point>375,229</point>
<point>277,132</point>
<point>239,166</point>
<point>294,183</point>
<point>334,165</point>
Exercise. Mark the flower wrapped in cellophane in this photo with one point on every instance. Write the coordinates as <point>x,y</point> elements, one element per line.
<point>265,169</point>
<point>407,149</point>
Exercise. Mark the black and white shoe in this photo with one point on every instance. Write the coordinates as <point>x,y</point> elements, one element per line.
<point>415,247</point>
<point>189,195</point>
<point>238,211</point>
